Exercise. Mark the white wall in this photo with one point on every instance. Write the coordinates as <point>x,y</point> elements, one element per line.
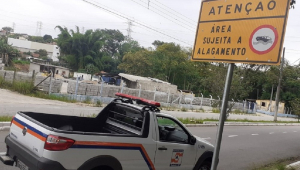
<point>56,53</point>
<point>26,46</point>
<point>85,76</point>
<point>19,43</point>
<point>35,67</point>
<point>47,47</point>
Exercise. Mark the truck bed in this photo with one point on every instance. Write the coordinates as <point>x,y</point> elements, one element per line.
<point>75,124</point>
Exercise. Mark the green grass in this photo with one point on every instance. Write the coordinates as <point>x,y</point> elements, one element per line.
<point>27,88</point>
<point>42,95</point>
<point>98,104</point>
<point>5,118</point>
<point>21,62</point>
<point>183,109</point>
<point>87,100</point>
<point>277,165</point>
<point>200,121</point>
<point>215,110</point>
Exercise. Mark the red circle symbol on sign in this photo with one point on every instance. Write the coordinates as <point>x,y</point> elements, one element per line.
<point>263,39</point>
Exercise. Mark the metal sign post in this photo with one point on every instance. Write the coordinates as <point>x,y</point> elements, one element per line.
<point>222,116</point>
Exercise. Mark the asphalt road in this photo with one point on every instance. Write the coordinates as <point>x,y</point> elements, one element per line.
<point>242,147</point>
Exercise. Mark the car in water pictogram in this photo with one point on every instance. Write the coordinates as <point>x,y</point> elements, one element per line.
<point>263,39</point>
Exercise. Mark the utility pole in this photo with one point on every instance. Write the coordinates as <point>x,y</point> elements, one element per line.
<point>148,4</point>
<point>271,98</point>
<point>13,27</point>
<point>279,86</point>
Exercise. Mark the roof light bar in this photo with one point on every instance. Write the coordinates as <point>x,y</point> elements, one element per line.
<point>149,102</point>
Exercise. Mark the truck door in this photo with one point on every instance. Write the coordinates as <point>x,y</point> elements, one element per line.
<point>173,148</point>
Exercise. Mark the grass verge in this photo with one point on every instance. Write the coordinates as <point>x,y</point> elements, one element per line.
<point>5,118</point>
<point>278,165</point>
<point>27,88</point>
<point>200,121</point>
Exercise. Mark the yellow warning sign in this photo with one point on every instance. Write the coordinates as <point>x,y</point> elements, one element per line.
<point>235,31</point>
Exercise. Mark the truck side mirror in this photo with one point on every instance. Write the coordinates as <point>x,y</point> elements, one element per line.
<point>192,140</point>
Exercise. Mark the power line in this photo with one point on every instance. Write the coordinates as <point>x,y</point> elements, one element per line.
<point>173,10</point>
<point>139,23</point>
<point>53,19</point>
<point>164,16</point>
<point>192,22</point>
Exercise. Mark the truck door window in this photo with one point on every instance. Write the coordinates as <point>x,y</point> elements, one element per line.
<point>171,131</point>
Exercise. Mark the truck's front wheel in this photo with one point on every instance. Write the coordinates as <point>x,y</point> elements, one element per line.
<point>205,165</point>
<point>102,168</point>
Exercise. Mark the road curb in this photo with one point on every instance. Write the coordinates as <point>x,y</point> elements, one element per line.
<point>295,165</point>
<point>4,126</point>
<point>210,124</point>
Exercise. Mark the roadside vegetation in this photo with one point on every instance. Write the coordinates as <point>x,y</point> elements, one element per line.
<point>5,118</point>
<point>278,165</point>
<point>27,88</point>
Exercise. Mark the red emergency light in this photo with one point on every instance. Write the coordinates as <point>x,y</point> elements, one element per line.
<point>150,102</point>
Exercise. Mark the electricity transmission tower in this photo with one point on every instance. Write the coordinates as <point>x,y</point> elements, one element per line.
<point>39,27</point>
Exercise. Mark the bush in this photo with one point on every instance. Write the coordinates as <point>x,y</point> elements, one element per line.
<point>21,87</point>
<point>215,110</point>
<point>98,103</point>
<point>184,109</point>
<point>87,100</point>
<point>21,62</point>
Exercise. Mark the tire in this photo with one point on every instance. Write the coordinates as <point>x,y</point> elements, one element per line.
<point>205,165</point>
<point>102,168</point>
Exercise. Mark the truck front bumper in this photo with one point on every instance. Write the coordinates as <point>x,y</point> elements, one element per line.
<point>17,152</point>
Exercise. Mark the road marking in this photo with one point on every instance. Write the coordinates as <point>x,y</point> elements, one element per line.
<point>2,153</point>
<point>231,136</point>
<point>271,133</point>
<point>295,131</point>
<point>206,138</point>
<point>254,134</point>
<point>283,132</point>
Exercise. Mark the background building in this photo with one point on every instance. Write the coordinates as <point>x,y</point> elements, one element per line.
<point>24,45</point>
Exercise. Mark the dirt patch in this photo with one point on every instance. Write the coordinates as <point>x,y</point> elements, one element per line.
<point>22,67</point>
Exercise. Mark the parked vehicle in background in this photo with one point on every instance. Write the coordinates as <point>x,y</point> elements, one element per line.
<point>96,78</point>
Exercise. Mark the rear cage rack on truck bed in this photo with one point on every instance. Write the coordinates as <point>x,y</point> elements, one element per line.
<point>148,104</point>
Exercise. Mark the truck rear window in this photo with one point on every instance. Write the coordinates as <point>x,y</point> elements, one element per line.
<point>127,116</point>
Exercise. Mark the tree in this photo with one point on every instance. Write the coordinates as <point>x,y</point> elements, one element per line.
<point>296,107</point>
<point>38,39</point>
<point>157,43</point>
<point>47,38</point>
<point>103,49</point>
<point>42,53</point>
<point>7,52</point>
<point>8,30</point>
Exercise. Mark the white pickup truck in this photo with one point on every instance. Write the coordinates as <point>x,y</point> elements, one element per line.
<point>130,133</point>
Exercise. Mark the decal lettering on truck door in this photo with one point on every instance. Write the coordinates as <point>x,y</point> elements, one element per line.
<point>176,158</point>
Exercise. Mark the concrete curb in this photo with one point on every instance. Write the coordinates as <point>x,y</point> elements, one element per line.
<point>4,126</point>
<point>295,165</point>
<point>210,124</point>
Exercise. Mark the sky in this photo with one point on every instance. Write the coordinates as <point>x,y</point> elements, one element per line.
<point>164,20</point>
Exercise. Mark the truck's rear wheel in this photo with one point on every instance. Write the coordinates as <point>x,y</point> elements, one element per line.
<point>205,165</point>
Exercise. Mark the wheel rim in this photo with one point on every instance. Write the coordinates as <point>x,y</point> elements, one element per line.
<point>205,167</point>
